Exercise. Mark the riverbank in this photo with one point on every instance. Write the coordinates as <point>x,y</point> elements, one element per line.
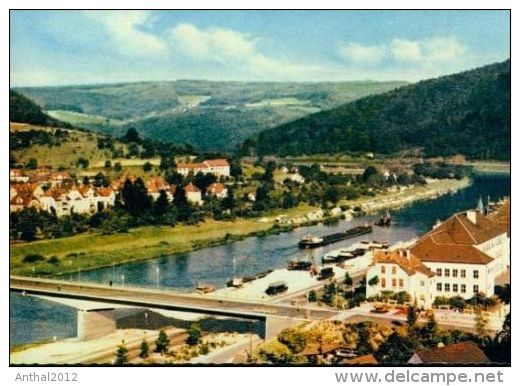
<point>95,250</point>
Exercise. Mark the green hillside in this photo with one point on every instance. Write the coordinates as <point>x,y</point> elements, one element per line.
<point>466,113</point>
<point>23,110</point>
<point>208,115</point>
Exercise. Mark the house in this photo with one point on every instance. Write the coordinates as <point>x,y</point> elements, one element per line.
<point>154,186</point>
<point>60,178</point>
<point>218,167</point>
<point>31,189</point>
<point>458,353</point>
<point>105,197</point>
<point>193,194</point>
<point>17,175</point>
<point>296,177</point>
<point>217,190</point>
<point>466,253</point>
<point>22,201</point>
<point>400,270</point>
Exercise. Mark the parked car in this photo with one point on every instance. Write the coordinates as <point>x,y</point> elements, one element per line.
<point>277,287</point>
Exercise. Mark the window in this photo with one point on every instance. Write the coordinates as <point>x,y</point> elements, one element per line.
<point>422,283</point>
<point>439,272</point>
<point>439,287</point>
<point>455,273</point>
<point>401,283</point>
<point>463,288</point>
<point>447,287</point>
<point>383,269</point>
<point>475,289</point>
<point>475,274</point>
<point>394,270</point>
<point>463,273</point>
<point>455,288</point>
<point>383,282</point>
<point>394,282</point>
<point>447,272</point>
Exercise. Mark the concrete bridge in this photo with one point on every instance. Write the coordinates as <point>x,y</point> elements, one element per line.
<point>91,321</point>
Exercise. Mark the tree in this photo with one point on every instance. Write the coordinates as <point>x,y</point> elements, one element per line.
<point>132,135</point>
<point>162,343</point>
<point>135,197</point>
<point>369,172</point>
<point>144,350</point>
<point>147,167</point>
<point>121,354</point>
<point>294,339</point>
<point>118,167</point>
<point>411,316</point>
<point>162,204</point>
<point>397,349</point>
<point>32,163</point>
<point>82,162</point>
<point>500,349</point>
<point>194,334</point>
<point>167,162</point>
<point>373,281</point>
<point>229,201</point>
<point>348,280</point>
<point>429,333</point>
<point>312,297</point>
<point>108,164</point>
<point>481,323</point>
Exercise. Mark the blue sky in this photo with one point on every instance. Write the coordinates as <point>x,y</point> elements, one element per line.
<point>85,47</point>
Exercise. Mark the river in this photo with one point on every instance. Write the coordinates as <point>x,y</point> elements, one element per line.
<point>34,320</point>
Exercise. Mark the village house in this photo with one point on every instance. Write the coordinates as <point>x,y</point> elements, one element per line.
<point>154,186</point>
<point>17,175</point>
<point>217,190</point>
<point>60,178</point>
<point>400,270</point>
<point>193,194</point>
<point>22,201</point>
<point>31,189</point>
<point>459,353</point>
<point>218,167</point>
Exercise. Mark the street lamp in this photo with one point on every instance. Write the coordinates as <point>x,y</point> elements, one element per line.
<point>123,279</point>
<point>157,271</point>
<point>113,271</point>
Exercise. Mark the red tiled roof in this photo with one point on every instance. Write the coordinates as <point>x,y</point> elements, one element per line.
<point>104,192</point>
<point>427,249</point>
<point>27,188</point>
<point>463,353</point>
<point>217,162</point>
<point>199,165</point>
<point>156,184</point>
<point>16,173</point>
<point>368,359</point>
<point>216,188</point>
<point>58,176</point>
<point>21,199</point>
<point>190,188</point>
<point>502,217</point>
<point>410,265</point>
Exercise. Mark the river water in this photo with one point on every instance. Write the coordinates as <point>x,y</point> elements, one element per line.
<point>33,320</point>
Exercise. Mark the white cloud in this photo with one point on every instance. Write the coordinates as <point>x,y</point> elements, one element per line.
<point>235,50</point>
<point>406,50</point>
<point>127,31</point>
<point>358,53</point>
<point>443,49</point>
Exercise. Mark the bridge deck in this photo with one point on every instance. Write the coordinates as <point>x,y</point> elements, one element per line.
<point>153,298</point>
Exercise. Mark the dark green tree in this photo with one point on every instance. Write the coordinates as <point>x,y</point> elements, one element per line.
<point>397,349</point>
<point>162,343</point>
<point>121,354</point>
<point>194,334</point>
<point>144,350</point>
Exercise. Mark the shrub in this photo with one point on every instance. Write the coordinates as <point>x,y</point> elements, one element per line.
<point>54,260</point>
<point>33,258</point>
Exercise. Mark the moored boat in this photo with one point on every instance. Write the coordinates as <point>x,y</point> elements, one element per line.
<point>313,241</point>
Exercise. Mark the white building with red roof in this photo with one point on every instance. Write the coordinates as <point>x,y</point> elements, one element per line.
<point>218,167</point>
<point>461,256</point>
<point>217,190</point>
<point>17,175</point>
<point>193,194</point>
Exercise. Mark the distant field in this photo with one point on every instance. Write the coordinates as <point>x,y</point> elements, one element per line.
<point>192,100</point>
<point>80,119</point>
<point>277,102</point>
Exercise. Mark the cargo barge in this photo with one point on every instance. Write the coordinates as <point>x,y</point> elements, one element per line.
<point>314,242</point>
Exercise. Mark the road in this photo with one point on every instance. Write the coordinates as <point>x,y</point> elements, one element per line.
<point>153,298</point>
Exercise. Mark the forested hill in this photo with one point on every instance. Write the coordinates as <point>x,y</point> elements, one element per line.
<point>23,110</point>
<point>467,113</point>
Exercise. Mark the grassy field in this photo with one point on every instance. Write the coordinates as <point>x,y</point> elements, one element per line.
<point>81,119</point>
<point>88,251</point>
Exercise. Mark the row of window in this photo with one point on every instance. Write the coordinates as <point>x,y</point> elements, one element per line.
<point>394,283</point>
<point>455,273</point>
<point>455,288</point>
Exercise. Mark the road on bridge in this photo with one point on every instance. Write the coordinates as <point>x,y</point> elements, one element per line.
<point>161,299</point>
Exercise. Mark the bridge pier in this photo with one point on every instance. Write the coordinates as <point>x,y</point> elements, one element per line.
<point>94,324</point>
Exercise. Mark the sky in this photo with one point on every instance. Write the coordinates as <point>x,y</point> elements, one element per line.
<point>89,47</point>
